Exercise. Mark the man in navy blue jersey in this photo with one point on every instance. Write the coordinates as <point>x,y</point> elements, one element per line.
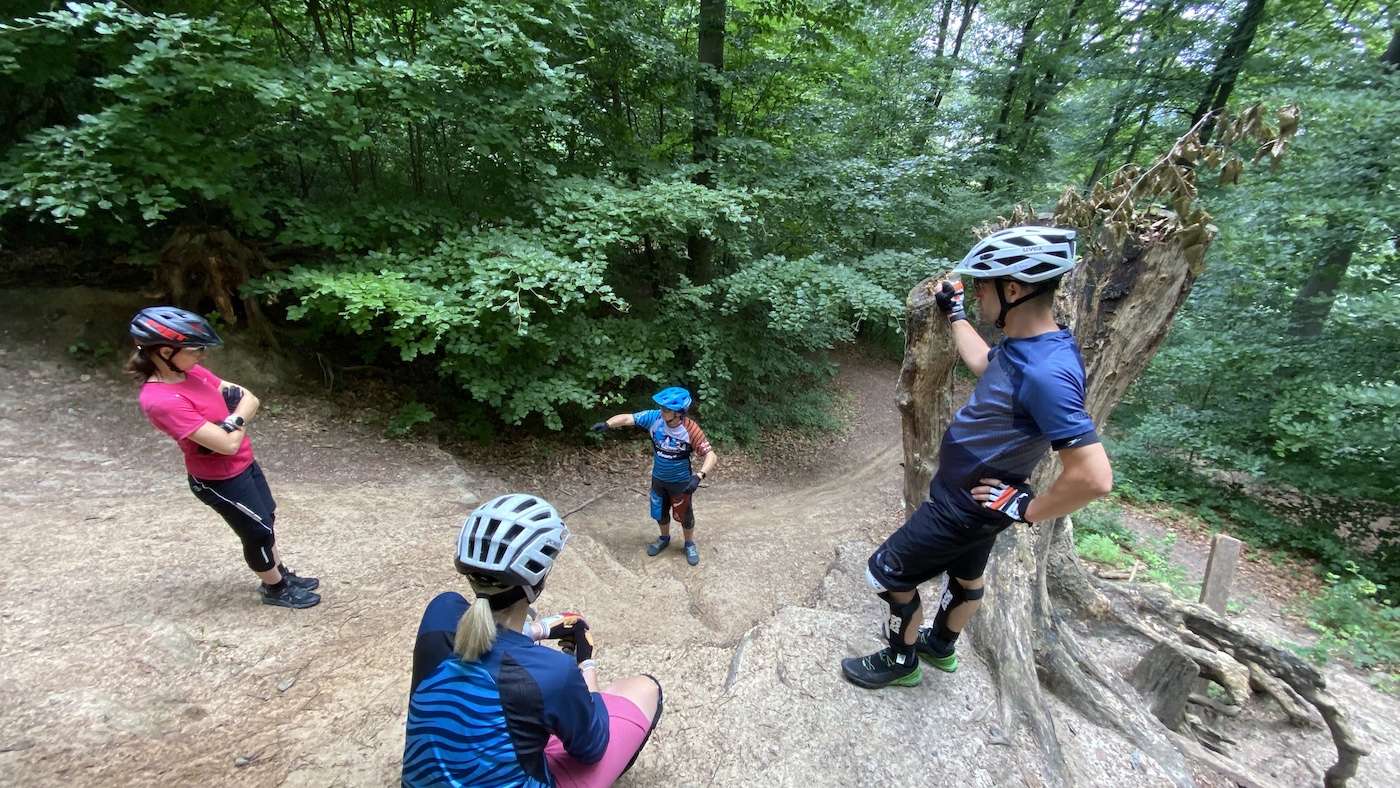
<point>1029,400</point>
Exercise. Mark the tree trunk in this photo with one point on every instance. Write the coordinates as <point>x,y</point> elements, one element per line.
<point>705,125</point>
<point>925,390</point>
<point>1115,125</point>
<point>1139,136</point>
<point>1001,129</point>
<point>1228,66</point>
<point>943,28</point>
<point>313,10</point>
<point>1046,88</point>
<point>1314,300</point>
<point>963,19</point>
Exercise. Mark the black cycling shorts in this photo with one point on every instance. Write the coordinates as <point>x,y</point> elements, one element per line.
<point>246,504</point>
<point>933,541</point>
<point>669,500</point>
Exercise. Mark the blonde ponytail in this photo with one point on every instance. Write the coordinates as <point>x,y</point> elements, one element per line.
<point>476,631</point>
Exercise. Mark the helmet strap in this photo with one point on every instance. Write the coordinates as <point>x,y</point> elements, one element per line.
<point>1007,305</point>
<point>168,361</point>
<point>504,599</point>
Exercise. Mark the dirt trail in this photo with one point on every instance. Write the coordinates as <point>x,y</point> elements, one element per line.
<point>133,650</point>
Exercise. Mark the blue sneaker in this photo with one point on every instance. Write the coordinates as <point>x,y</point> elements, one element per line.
<point>658,546</point>
<point>692,554</point>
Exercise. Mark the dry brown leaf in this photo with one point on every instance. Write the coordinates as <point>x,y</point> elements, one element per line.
<point>1230,173</point>
<point>1288,122</point>
<point>1182,206</point>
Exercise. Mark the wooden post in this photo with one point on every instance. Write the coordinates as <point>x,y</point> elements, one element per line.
<point>1220,572</point>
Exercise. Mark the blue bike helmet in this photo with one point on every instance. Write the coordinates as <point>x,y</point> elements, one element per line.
<point>172,327</point>
<point>674,398</point>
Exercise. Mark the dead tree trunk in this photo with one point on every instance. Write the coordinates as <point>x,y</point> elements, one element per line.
<point>925,392</point>
<point>1136,269</point>
<point>201,266</point>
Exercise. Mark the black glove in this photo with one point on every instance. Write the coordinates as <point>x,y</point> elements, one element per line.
<point>1009,500</point>
<point>950,301</point>
<point>601,426</point>
<point>232,396</point>
<point>574,636</point>
<point>694,483</point>
<point>232,423</point>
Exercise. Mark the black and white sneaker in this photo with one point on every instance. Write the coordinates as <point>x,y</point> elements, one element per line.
<point>883,668</point>
<point>306,583</point>
<point>288,596</point>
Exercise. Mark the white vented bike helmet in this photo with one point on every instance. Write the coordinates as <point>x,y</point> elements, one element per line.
<point>510,541</point>
<point>1027,254</point>
<point>1030,254</point>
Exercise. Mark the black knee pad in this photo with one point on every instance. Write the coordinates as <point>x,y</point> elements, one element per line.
<point>900,618</point>
<point>257,551</point>
<point>953,595</point>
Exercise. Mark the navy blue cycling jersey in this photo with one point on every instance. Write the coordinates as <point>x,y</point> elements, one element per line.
<point>1029,400</point>
<point>486,722</point>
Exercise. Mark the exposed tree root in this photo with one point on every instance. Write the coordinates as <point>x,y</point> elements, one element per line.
<point>1005,644</point>
<point>1019,611</point>
<point>1281,675</point>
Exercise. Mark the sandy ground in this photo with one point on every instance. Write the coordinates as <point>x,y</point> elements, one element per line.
<point>133,650</point>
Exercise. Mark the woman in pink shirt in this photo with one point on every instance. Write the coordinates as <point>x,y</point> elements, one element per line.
<point>208,418</point>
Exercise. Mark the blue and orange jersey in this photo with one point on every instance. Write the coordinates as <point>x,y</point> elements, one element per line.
<point>1029,400</point>
<point>673,446</point>
<point>486,722</point>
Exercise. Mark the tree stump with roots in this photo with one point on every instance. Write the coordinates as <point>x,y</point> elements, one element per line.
<point>1119,301</point>
<point>202,265</point>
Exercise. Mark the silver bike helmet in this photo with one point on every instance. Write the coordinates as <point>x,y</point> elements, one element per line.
<point>1037,256</point>
<point>509,542</point>
<point>1027,254</point>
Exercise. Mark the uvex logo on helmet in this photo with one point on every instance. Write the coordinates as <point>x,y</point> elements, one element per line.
<point>1024,250</point>
<point>165,331</point>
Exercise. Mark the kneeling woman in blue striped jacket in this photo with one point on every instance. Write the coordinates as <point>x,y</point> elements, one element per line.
<point>490,705</point>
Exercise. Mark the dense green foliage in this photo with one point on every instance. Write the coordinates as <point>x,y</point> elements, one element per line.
<point>1272,411</point>
<point>534,212</point>
<point>1358,619</point>
<point>503,194</point>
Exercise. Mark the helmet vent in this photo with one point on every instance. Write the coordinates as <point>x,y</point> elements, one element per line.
<point>512,539</point>
<point>504,542</point>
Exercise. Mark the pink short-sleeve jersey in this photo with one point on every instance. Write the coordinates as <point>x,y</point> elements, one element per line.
<point>178,409</point>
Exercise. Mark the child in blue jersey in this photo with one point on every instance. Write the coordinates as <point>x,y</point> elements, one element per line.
<point>491,707</point>
<point>1029,400</point>
<point>675,437</point>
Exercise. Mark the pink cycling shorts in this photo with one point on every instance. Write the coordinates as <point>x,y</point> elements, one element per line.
<point>627,727</point>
